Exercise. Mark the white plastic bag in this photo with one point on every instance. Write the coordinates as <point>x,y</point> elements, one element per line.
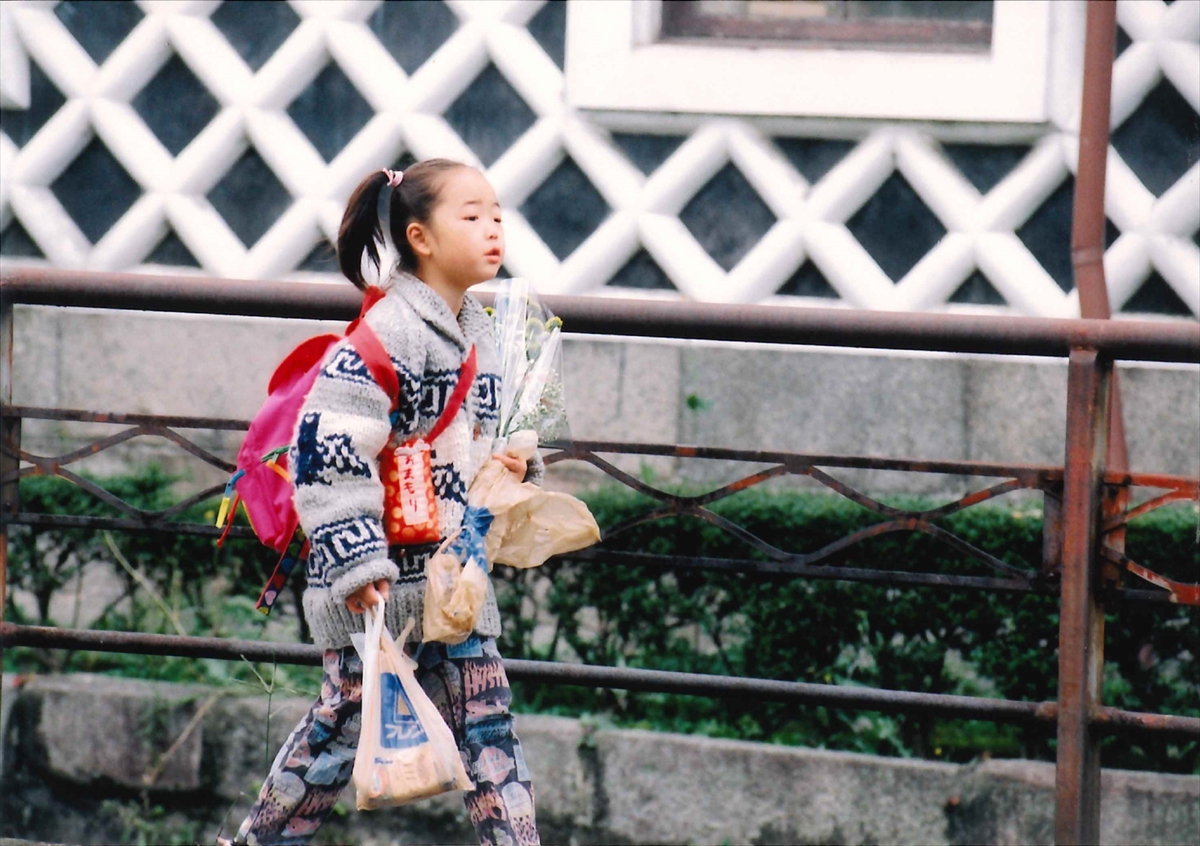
<point>529,523</point>
<point>406,751</point>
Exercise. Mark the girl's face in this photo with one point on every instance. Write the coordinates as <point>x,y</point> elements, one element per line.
<point>464,239</point>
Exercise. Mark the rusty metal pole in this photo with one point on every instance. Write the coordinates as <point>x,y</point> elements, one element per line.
<point>1087,224</point>
<point>1095,438</point>
<point>1081,618</point>
<point>10,437</point>
<point>1087,227</point>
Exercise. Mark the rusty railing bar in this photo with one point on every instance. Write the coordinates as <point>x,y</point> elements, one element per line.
<point>1126,339</point>
<point>622,678</point>
<point>795,566</point>
<point>1037,475</point>
<point>71,521</point>
<point>80,415</point>
<point>115,439</point>
<point>1116,521</point>
<point>744,565</point>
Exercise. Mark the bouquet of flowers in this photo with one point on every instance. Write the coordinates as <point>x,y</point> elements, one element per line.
<point>529,343</point>
<point>508,521</point>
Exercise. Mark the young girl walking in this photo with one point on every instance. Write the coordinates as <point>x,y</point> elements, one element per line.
<point>445,223</point>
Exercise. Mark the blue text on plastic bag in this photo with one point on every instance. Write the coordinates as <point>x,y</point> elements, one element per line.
<point>398,727</point>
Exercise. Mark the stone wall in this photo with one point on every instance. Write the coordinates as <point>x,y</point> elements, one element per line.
<point>925,406</point>
<point>77,750</point>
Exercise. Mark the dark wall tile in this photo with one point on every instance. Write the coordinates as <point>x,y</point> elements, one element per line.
<point>322,259</point>
<point>814,157</point>
<point>565,209</point>
<point>95,190</point>
<point>984,165</point>
<point>175,105</point>
<point>45,99</point>
<point>412,30</point>
<point>896,227</point>
<point>549,29</point>
<point>255,28</point>
<point>250,197</point>
<point>1161,139</point>
<point>16,242</point>
<point>1155,296</point>
<point>1047,234</point>
<point>99,25</point>
<point>977,290</point>
<point>172,251</point>
<point>808,281</point>
<point>727,217</point>
<point>330,111</point>
<point>490,115</point>
<point>642,271</point>
<point>647,152</point>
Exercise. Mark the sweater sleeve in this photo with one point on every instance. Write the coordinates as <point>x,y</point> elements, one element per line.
<point>344,424</point>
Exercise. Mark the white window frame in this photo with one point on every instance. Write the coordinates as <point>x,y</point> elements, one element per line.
<point>614,63</point>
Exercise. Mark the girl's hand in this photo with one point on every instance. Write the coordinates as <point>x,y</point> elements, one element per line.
<point>369,594</point>
<point>516,466</point>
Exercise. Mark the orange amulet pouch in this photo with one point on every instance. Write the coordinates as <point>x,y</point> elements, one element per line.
<point>409,499</point>
<point>410,510</point>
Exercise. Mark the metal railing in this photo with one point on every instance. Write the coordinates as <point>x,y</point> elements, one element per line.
<point>1082,512</point>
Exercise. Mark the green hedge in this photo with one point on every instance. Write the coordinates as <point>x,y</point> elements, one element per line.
<point>931,640</point>
<point>934,640</point>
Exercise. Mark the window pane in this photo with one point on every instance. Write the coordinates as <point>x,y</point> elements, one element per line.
<point>922,10</point>
<point>769,9</point>
<point>885,24</point>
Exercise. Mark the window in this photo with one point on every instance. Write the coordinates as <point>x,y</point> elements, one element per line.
<point>881,24</point>
<point>820,58</point>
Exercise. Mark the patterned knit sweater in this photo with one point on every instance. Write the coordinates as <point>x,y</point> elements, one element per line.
<point>344,425</point>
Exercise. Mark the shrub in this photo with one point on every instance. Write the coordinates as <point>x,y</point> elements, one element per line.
<point>778,627</point>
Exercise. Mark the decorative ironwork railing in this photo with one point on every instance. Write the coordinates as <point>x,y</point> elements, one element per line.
<point>1085,509</point>
<point>818,563</point>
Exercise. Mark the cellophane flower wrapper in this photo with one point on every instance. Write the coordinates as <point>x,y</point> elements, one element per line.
<point>509,521</point>
<point>529,343</point>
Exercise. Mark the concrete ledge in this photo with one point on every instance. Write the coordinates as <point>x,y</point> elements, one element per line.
<point>77,750</point>
<point>816,400</point>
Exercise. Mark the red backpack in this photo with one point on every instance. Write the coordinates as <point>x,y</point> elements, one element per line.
<point>262,484</point>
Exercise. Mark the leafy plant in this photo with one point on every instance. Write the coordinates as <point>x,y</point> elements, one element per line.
<point>953,641</point>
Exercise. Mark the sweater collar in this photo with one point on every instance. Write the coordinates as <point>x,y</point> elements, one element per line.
<point>472,323</point>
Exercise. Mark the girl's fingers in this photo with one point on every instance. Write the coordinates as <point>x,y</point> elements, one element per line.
<point>514,464</point>
<point>366,596</point>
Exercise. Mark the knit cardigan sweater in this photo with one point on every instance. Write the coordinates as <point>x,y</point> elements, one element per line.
<point>345,423</point>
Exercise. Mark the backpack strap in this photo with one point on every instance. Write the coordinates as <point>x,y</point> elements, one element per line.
<point>370,349</point>
<point>466,378</point>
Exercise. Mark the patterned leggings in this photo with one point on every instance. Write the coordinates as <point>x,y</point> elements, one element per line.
<point>468,685</point>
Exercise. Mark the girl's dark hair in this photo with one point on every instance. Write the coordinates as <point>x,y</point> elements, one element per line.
<point>412,200</point>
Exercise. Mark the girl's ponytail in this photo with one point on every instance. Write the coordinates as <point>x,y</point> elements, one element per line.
<point>361,229</point>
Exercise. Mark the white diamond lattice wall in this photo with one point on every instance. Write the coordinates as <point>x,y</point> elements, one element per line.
<point>1156,231</point>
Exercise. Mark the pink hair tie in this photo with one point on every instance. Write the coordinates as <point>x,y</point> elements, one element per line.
<point>395,177</point>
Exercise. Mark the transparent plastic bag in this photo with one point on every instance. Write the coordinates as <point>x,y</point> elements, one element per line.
<point>529,524</point>
<point>406,752</point>
<point>529,343</point>
<point>456,584</point>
